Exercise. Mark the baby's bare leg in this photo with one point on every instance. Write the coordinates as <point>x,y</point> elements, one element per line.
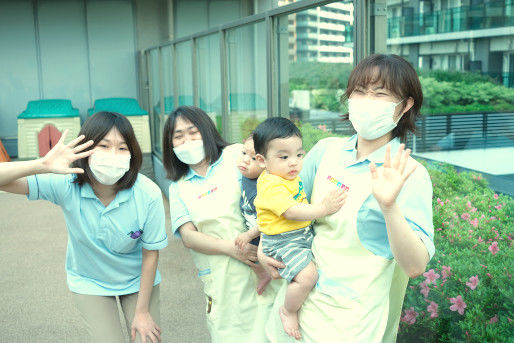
<point>297,292</point>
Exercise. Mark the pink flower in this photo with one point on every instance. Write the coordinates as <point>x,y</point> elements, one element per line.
<point>432,308</point>
<point>322,127</point>
<point>446,272</point>
<point>473,282</point>
<point>424,289</point>
<point>498,207</point>
<point>480,240</point>
<point>410,316</point>
<point>468,205</point>
<point>474,209</point>
<point>458,304</point>
<point>465,216</point>
<point>493,248</point>
<point>495,196</point>
<point>493,319</point>
<point>431,276</point>
<point>474,222</point>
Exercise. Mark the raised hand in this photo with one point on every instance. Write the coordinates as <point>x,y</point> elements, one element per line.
<point>59,159</point>
<point>388,180</point>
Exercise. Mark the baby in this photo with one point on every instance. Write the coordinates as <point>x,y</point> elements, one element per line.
<point>284,214</point>
<point>250,171</point>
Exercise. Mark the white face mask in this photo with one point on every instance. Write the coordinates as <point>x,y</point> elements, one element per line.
<point>108,168</point>
<point>372,118</point>
<point>191,152</point>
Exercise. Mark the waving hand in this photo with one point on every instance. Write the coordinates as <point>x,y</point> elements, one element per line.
<point>59,159</point>
<point>388,180</point>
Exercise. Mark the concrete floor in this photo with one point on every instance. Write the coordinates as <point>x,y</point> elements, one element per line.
<point>35,301</point>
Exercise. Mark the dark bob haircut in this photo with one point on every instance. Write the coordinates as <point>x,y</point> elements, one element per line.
<point>213,143</point>
<point>270,129</point>
<point>95,128</point>
<point>395,74</point>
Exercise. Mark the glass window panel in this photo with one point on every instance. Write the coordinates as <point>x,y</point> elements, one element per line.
<point>209,77</point>
<point>184,74</point>
<point>247,81</point>
<point>315,54</point>
<point>456,119</point>
<point>167,74</point>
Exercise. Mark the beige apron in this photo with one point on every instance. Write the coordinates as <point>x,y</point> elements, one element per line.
<point>235,313</point>
<point>359,295</point>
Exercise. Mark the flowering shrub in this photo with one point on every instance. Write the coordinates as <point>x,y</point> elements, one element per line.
<point>466,294</point>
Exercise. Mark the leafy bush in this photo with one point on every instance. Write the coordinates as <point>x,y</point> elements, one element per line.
<point>318,75</point>
<point>326,99</point>
<point>312,135</point>
<point>248,125</point>
<point>467,293</point>
<point>444,91</point>
<point>455,76</point>
<point>455,97</point>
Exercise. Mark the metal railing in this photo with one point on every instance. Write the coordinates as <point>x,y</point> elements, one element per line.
<point>445,131</point>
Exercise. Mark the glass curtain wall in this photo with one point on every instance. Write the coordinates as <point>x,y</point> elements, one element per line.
<point>185,76</point>
<point>209,77</point>
<point>294,65</point>
<point>315,60</point>
<point>247,83</point>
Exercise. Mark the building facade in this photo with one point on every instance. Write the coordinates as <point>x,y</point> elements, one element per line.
<point>471,35</point>
<point>321,34</point>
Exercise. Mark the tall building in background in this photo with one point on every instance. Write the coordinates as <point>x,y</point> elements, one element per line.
<point>321,34</point>
<point>473,35</point>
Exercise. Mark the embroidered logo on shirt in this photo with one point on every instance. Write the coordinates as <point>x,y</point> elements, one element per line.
<point>136,234</point>
<point>208,192</point>
<point>337,183</point>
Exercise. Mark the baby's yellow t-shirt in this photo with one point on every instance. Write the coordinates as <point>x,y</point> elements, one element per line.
<point>276,195</point>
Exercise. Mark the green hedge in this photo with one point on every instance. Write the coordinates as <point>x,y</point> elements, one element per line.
<point>455,97</point>
<point>444,91</point>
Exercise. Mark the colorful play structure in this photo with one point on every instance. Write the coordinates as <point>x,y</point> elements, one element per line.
<point>41,125</point>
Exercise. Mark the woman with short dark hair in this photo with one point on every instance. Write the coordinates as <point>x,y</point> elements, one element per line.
<point>383,234</point>
<point>205,214</point>
<point>115,222</point>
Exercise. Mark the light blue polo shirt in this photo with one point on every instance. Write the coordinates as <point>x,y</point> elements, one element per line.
<point>415,199</point>
<point>104,252</point>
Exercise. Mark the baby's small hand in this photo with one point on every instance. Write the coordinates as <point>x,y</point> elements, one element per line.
<point>334,200</point>
<point>242,240</point>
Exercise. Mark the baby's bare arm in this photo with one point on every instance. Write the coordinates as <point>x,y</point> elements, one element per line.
<point>330,204</point>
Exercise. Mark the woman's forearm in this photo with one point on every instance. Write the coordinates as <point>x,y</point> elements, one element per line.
<point>406,246</point>
<point>203,243</point>
<point>11,171</point>
<point>148,269</point>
